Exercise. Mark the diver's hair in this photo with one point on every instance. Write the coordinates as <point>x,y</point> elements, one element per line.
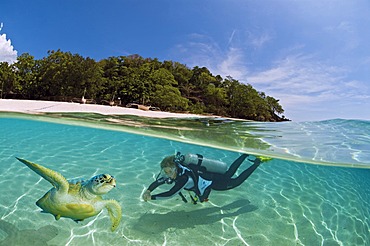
<point>168,161</point>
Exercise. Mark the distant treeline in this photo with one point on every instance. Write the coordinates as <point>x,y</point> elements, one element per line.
<point>169,85</point>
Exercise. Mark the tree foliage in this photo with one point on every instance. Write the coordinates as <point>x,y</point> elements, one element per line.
<point>168,85</point>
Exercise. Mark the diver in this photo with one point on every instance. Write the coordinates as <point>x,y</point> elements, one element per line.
<point>199,175</point>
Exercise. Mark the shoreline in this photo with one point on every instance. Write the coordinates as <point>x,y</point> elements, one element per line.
<point>37,107</point>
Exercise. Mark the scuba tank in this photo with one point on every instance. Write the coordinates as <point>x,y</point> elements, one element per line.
<point>208,165</point>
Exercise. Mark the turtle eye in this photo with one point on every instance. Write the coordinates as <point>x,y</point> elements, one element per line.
<point>104,176</point>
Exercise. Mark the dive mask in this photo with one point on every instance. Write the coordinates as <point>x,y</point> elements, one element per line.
<point>166,176</point>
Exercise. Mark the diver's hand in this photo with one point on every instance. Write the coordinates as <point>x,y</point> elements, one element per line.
<point>147,196</point>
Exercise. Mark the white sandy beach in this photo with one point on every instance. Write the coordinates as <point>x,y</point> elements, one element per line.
<point>36,107</point>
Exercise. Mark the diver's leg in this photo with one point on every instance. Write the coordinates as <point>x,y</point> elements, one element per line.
<point>236,164</point>
<point>234,182</point>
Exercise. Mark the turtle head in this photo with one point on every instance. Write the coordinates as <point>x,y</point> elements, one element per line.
<point>101,184</point>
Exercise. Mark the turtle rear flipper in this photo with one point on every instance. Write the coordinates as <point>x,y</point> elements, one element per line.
<point>115,213</point>
<point>55,178</point>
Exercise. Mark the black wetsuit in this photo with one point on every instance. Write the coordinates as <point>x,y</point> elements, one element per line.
<point>202,182</point>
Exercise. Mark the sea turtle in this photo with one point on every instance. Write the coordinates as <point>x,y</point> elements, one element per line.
<point>77,200</point>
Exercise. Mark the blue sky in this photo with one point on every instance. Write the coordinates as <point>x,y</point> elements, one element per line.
<point>312,55</point>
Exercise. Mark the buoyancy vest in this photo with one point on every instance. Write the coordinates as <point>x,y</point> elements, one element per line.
<point>197,184</point>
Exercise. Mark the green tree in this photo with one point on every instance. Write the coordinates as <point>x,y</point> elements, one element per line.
<point>244,100</point>
<point>112,77</point>
<point>53,74</point>
<point>90,79</point>
<point>215,99</point>
<point>65,75</point>
<point>165,95</point>
<point>26,74</point>
<point>7,79</point>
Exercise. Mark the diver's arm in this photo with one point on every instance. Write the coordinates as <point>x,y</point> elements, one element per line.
<point>179,185</point>
<point>146,195</point>
<point>156,183</point>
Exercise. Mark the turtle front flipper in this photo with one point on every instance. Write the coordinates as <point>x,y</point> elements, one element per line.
<point>115,213</point>
<point>55,178</point>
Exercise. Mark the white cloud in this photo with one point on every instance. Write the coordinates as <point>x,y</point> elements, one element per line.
<point>311,89</point>
<point>201,51</point>
<point>308,87</point>
<point>259,41</point>
<point>7,52</point>
<point>298,74</point>
<point>230,64</point>
<point>345,33</point>
<point>231,38</point>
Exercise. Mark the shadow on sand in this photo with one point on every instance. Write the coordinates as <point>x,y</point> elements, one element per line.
<point>158,223</point>
<point>28,236</point>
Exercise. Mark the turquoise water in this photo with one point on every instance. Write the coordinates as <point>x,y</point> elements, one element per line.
<point>288,201</point>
